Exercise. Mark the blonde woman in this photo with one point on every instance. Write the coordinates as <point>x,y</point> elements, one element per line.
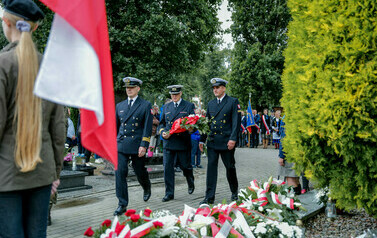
<point>32,131</point>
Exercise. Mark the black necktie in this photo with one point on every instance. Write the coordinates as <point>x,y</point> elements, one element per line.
<point>130,104</point>
<point>218,101</point>
<point>175,105</point>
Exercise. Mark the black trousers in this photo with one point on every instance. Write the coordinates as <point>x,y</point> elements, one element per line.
<point>183,158</point>
<point>229,162</point>
<point>254,137</point>
<point>138,164</point>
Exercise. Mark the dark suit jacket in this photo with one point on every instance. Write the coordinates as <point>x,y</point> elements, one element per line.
<point>53,133</point>
<point>225,122</point>
<point>180,141</point>
<point>134,126</point>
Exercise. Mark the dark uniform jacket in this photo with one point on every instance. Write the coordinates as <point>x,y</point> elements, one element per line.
<point>53,133</point>
<point>225,122</point>
<point>179,141</point>
<point>134,126</point>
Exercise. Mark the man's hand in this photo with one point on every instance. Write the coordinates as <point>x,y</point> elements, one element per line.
<point>201,147</point>
<point>231,144</point>
<point>73,137</point>
<point>165,135</point>
<point>190,130</point>
<point>281,162</point>
<point>55,186</point>
<point>142,151</point>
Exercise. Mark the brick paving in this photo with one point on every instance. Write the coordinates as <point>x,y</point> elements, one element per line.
<point>76,211</point>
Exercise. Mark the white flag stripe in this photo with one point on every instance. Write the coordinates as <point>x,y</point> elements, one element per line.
<point>70,71</point>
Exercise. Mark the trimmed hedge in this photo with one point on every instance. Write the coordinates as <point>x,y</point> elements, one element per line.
<point>330,97</point>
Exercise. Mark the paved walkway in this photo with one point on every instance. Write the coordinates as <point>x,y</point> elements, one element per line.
<point>75,212</point>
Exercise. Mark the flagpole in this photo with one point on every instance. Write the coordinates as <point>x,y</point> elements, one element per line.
<point>248,133</point>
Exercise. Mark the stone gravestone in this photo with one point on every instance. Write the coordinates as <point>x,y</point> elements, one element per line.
<point>72,180</point>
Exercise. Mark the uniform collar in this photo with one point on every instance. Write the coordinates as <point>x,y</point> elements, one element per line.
<point>134,99</point>
<point>179,102</point>
<point>221,99</point>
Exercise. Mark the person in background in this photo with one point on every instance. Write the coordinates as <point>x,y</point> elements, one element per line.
<point>276,123</point>
<point>242,136</point>
<point>71,139</point>
<point>265,126</point>
<point>255,130</point>
<point>156,114</point>
<point>195,152</point>
<point>286,169</point>
<point>32,130</point>
<point>272,117</point>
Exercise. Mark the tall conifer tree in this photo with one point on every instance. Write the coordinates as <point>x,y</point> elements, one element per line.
<point>259,32</point>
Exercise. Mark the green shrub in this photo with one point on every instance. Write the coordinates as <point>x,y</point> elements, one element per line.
<point>330,97</point>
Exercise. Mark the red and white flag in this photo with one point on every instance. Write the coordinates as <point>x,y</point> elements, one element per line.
<point>76,71</point>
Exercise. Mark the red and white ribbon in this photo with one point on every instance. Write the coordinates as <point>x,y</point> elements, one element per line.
<point>265,125</point>
<point>141,230</point>
<point>275,198</point>
<point>126,232</point>
<point>241,222</point>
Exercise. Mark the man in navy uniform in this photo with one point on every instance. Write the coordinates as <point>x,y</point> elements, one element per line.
<point>176,145</point>
<point>225,116</point>
<point>134,121</point>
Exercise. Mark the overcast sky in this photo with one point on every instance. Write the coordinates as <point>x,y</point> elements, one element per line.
<point>225,15</point>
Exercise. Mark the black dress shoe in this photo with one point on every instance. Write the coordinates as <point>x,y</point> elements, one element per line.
<point>207,201</point>
<point>190,183</point>
<point>120,210</point>
<point>147,194</point>
<point>234,196</point>
<point>191,189</point>
<point>167,198</point>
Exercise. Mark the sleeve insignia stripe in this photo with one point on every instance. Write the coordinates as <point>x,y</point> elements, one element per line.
<point>147,139</point>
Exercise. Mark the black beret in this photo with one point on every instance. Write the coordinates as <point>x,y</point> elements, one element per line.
<point>25,9</point>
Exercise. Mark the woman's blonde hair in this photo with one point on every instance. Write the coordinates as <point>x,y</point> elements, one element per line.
<point>28,115</point>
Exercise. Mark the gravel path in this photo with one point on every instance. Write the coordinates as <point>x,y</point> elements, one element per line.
<point>349,225</point>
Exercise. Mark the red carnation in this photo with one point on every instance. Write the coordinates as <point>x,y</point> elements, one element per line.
<point>147,212</point>
<point>158,224</point>
<point>106,222</point>
<point>135,217</point>
<point>223,218</point>
<point>119,228</point>
<point>130,212</point>
<point>89,232</point>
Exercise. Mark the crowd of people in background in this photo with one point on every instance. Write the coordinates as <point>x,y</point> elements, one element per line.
<point>266,130</point>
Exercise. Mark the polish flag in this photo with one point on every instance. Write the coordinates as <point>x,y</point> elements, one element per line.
<point>76,71</point>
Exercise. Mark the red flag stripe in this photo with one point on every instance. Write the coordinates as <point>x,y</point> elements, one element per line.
<point>88,17</point>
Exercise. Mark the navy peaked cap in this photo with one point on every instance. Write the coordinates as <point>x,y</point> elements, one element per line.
<point>218,82</point>
<point>132,82</point>
<point>26,9</point>
<point>175,89</point>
